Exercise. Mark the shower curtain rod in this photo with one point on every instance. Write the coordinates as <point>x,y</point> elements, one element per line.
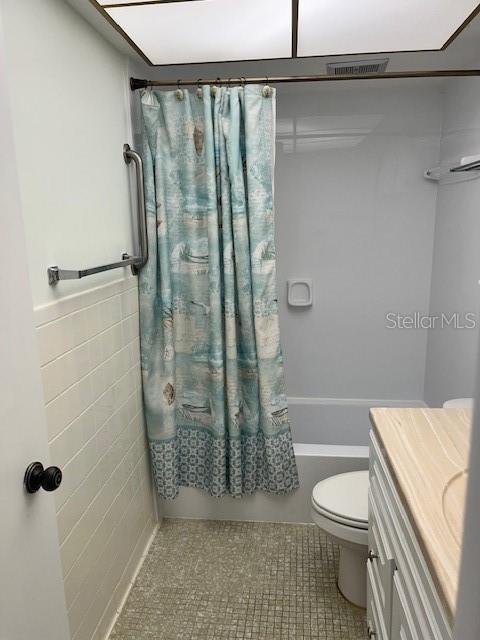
<point>137,83</point>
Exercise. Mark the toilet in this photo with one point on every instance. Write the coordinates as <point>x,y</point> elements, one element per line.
<point>459,403</point>
<point>340,508</point>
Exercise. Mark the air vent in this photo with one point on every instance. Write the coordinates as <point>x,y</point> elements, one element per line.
<point>358,67</point>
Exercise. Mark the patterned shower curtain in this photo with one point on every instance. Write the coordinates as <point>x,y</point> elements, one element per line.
<point>212,367</point>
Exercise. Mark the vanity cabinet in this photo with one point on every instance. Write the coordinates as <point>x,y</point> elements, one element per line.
<point>403,602</point>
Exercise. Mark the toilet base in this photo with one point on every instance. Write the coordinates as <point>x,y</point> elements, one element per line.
<point>352,574</point>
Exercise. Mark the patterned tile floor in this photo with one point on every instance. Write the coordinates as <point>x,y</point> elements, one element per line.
<point>218,580</point>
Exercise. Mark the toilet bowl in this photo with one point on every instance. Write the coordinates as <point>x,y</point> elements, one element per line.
<point>340,508</point>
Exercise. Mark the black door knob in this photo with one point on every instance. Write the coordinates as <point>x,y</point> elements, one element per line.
<point>36,476</point>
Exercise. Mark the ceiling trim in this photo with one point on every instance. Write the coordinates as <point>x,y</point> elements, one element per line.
<point>294,28</point>
<point>294,55</point>
<point>116,5</point>
<point>464,24</point>
<point>119,30</point>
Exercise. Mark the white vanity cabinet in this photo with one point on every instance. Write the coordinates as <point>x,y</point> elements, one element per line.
<point>403,602</point>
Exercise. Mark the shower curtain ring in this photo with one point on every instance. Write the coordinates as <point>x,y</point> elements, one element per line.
<point>199,89</point>
<point>179,93</point>
<point>267,90</point>
<point>213,89</point>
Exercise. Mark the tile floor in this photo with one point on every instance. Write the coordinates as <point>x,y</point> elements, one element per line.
<point>221,580</point>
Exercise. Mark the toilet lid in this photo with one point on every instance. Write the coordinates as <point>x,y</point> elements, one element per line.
<point>343,498</point>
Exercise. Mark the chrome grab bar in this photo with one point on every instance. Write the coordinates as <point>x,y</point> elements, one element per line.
<point>128,156</point>
<point>55,274</point>
<point>471,166</point>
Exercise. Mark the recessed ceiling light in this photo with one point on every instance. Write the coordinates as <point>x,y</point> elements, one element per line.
<point>194,31</point>
<point>338,27</point>
<point>207,30</point>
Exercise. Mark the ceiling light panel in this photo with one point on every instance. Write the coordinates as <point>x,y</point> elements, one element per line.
<point>336,27</point>
<point>208,30</point>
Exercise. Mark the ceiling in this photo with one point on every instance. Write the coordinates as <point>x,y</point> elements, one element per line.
<point>167,32</point>
<point>460,51</point>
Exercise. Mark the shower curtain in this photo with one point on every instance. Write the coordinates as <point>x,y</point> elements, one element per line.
<point>212,367</point>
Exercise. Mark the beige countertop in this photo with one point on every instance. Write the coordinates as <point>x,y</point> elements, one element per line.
<point>427,452</point>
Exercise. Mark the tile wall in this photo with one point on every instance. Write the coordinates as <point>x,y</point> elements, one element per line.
<point>89,352</point>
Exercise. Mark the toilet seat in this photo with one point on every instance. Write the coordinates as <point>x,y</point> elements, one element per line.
<point>355,524</point>
<point>343,499</point>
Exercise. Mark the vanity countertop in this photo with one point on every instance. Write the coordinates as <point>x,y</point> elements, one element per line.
<point>427,452</point>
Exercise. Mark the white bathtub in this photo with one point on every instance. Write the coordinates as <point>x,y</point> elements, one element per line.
<point>330,436</point>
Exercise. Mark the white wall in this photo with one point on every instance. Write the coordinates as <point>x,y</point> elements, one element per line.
<point>451,355</point>
<point>354,213</point>
<point>70,108</point>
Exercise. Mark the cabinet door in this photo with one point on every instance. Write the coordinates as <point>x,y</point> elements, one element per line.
<point>402,624</point>
<point>380,556</point>
<point>376,624</point>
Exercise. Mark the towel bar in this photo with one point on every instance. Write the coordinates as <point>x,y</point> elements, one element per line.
<point>55,273</point>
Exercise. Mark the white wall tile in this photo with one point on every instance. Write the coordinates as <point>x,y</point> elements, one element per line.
<point>129,301</point>
<point>64,371</point>
<point>54,339</point>
<point>130,328</point>
<point>116,601</point>
<point>89,350</point>
<point>69,304</point>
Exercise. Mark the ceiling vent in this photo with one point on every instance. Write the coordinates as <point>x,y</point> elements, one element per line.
<point>358,67</point>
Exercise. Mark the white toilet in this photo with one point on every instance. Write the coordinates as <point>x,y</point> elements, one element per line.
<point>340,508</point>
<point>459,403</point>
